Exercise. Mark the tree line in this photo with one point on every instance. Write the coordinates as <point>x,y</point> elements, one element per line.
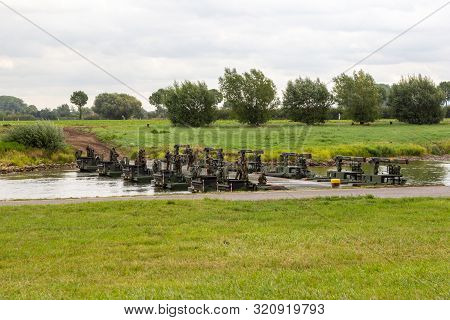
<point>251,98</point>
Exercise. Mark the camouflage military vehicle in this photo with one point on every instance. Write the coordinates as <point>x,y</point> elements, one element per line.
<point>112,168</point>
<point>353,175</point>
<point>89,162</point>
<point>172,177</point>
<point>392,174</point>
<point>137,172</point>
<point>292,166</point>
<point>241,180</point>
<point>204,175</point>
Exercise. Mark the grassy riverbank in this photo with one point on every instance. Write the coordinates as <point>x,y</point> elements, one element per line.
<point>353,248</point>
<point>324,141</point>
<point>13,154</point>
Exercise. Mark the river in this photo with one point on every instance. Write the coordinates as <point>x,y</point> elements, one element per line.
<point>72,184</point>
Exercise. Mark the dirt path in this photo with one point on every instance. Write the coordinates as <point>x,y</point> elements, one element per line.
<point>400,192</point>
<point>80,140</point>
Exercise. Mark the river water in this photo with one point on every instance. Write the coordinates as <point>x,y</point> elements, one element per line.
<point>72,184</point>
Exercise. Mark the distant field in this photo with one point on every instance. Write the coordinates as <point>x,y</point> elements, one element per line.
<point>324,141</point>
<point>353,248</point>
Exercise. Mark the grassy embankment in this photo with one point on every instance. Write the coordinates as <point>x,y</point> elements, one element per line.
<point>354,248</point>
<point>16,154</point>
<point>323,141</point>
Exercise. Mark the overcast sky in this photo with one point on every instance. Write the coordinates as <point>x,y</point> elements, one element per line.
<point>149,44</point>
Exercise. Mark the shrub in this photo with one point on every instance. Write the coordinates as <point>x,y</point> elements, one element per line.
<point>37,135</point>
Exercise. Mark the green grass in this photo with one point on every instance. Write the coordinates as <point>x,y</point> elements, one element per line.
<point>16,154</point>
<point>324,141</point>
<point>353,248</point>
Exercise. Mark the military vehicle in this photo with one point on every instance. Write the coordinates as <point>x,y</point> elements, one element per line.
<point>112,168</point>
<point>89,162</point>
<point>392,175</point>
<point>354,174</point>
<point>292,166</point>
<point>241,180</point>
<point>214,166</point>
<point>256,165</point>
<point>137,172</point>
<point>172,176</point>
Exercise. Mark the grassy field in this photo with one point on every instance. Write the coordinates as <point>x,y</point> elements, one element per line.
<point>324,141</point>
<point>353,248</point>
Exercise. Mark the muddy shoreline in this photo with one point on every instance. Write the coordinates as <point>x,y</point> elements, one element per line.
<point>38,168</point>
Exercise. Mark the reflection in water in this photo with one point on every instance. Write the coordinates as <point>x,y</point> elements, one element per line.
<point>70,184</point>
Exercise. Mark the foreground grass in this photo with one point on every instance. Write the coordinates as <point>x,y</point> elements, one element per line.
<point>353,248</point>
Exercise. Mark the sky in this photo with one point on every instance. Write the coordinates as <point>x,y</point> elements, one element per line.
<point>149,44</point>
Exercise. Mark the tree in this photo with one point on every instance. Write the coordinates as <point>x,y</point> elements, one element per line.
<point>79,98</point>
<point>191,104</point>
<point>307,101</point>
<point>358,95</point>
<point>63,111</point>
<point>9,105</point>
<point>445,87</point>
<point>117,106</point>
<point>251,95</point>
<point>157,100</point>
<point>417,100</point>
<point>385,110</point>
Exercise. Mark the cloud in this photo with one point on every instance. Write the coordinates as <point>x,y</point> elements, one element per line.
<point>149,44</point>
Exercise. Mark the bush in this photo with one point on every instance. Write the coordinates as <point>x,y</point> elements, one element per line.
<point>37,135</point>
<point>417,100</point>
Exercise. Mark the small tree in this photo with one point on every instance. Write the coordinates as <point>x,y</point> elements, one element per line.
<point>79,98</point>
<point>358,95</point>
<point>307,101</point>
<point>417,100</point>
<point>251,95</point>
<point>190,104</point>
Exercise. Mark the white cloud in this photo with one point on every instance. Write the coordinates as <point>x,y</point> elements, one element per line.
<point>6,63</point>
<point>149,44</point>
